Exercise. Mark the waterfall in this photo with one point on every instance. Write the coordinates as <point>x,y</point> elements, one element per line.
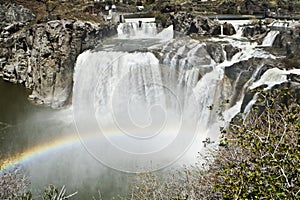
<point>143,28</point>
<point>147,109</point>
<point>240,32</point>
<point>281,24</point>
<point>273,77</point>
<point>269,39</point>
<point>137,30</point>
<point>150,105</point>
<point>222,29</point>
<point>239,26</point>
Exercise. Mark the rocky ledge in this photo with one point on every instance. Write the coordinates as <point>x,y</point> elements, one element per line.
<point>42,56</point>
<point>187,23</point>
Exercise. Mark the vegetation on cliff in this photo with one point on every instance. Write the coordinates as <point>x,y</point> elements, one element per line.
<point>261,154</point>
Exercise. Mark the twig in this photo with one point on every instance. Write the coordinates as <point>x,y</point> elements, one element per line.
<point>283,134</point>
<point>71,195</point>
<point>286,179</point>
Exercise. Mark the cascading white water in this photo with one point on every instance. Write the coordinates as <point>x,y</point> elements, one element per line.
<point>222,29</point>
<point>143,29</point>
<point>270,38</point>
<point>273,77</point>
<point>152,107</point>
<point>238,26</point>
<point>137,30</point>
<point>239,32</point>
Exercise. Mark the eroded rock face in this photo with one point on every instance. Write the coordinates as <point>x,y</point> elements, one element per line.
<point>241,72</point>
<point>228,29</point>
<point>186,23</point>
<point>12,15</point>
<point>42,56</point>
<point>255,32</point>
<point>288,43</point>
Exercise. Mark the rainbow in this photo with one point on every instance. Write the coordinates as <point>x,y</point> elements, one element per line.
<point>47,148</point>
<point>40,150</point>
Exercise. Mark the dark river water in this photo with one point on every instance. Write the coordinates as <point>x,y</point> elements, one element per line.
<point>15,112</point>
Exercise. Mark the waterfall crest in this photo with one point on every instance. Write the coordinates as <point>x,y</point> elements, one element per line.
<point>270,38</point>
<point>137,30</point>
<point>143,29</point>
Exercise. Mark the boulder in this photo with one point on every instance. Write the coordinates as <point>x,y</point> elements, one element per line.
<point>230,51</point>
<point>254,30</point>
<point>228,29</point>
<point>216,52</point>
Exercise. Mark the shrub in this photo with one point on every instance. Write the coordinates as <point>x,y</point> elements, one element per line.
<point>13,185</point>
<point>261,157</point>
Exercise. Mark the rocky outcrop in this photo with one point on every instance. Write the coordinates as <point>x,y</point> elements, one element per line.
<point>42,56</point>
<point>202,54</point>
<point>255,32</point>
<point>14,16</point>
<point>287,43</point>
<point>230,51</point>
<point>243,73</point>
<point>186,23</point>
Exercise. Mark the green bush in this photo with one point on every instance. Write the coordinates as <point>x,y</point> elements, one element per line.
<point>161,18</point>
<point>261,157</point>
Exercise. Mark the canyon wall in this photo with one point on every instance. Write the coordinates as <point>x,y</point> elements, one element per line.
<point>42,56</point>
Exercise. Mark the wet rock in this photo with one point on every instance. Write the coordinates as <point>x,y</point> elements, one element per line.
<point>230,51</point>
<point>240,73</point>
<point>247,98</point>
<point>254,31</point>
<point>216,52</point>
<point>287,43</point>
<point>294,78</point>
<point>216,30</point>
<point>228,29</point>
<point>192,29</point>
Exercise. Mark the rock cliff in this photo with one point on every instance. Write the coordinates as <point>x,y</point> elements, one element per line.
<point>187,23</point>
<point>42,56</point>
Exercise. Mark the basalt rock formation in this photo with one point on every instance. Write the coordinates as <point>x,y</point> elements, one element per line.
<point>186,23</point>
<point>42,56</point>
<point>288,43</point>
